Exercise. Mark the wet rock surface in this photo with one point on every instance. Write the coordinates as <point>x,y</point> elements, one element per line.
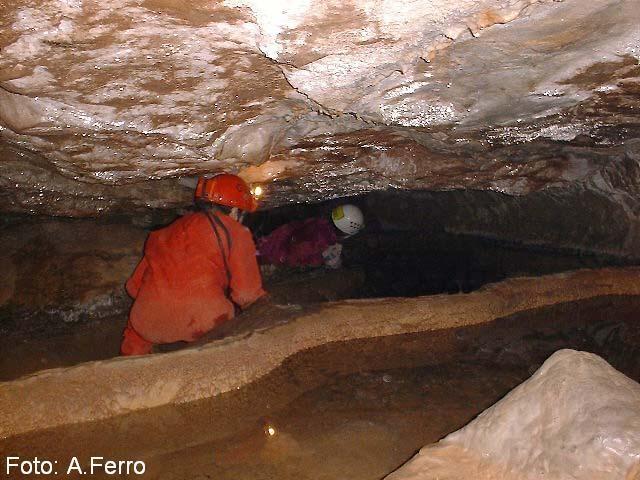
<point>365,425</point>
<point>365,404</point>
<point>58,272</point>
<point>216,370</point>
<point>576,417</point>
<point>104,105</point>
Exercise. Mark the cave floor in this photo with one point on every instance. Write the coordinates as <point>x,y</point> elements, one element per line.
<point>358,426</point>
<point>291,292</point>
<point>43,344</point>
<point>379,264</point>
<point>362,424</point>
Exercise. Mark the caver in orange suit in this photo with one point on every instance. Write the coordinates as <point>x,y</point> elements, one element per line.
<point>180,286</point>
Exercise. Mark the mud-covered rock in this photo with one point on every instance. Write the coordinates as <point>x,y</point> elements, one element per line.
<point>57,272</point>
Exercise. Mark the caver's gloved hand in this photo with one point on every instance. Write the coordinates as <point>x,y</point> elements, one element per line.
<point>332,256</point>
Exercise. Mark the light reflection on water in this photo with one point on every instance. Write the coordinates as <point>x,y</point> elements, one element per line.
<point>358,426</point>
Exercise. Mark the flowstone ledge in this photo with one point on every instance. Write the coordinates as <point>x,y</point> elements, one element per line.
<point>99,390</point>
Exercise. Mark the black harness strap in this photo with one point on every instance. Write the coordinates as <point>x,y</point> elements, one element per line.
<point>214,220</point>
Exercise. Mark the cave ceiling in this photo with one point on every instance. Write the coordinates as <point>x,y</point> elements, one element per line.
<point>116,106</point>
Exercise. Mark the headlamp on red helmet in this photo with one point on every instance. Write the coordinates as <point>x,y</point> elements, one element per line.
<point>226,189</point>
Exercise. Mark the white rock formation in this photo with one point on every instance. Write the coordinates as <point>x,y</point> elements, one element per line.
<point>332,98</point>
<point>576,418</point>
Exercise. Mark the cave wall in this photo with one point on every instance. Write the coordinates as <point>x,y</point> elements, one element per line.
<point>58,272</point>
<point>575,220</point>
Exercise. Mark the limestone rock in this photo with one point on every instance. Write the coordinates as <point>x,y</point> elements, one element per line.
<point>575,418</point>
<point>113,387</point>
<point>105,105</point>
<point>65,270</point>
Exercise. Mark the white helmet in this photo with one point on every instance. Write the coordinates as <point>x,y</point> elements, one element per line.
<point>348,219</point>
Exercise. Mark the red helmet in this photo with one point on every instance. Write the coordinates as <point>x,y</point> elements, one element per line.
<point>226,189</point>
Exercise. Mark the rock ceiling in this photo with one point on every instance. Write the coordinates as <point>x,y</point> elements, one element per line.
<point>115,105</point>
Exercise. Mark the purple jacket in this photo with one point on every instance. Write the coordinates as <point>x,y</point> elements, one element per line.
<point>297,243</point>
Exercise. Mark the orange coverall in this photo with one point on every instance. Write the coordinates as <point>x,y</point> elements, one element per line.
<point>179,285</point>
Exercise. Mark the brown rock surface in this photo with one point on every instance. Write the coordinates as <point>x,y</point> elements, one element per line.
<point>103,389</point>
<point>70,270</point>
<point>104,105</point>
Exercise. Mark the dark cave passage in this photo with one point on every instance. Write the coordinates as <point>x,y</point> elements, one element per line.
<point>393,393</point>
<point>64,301</point>
<point>426,243</point>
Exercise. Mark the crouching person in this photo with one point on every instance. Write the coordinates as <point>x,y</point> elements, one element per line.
<point>196,271</point>
<point>312,242</point>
